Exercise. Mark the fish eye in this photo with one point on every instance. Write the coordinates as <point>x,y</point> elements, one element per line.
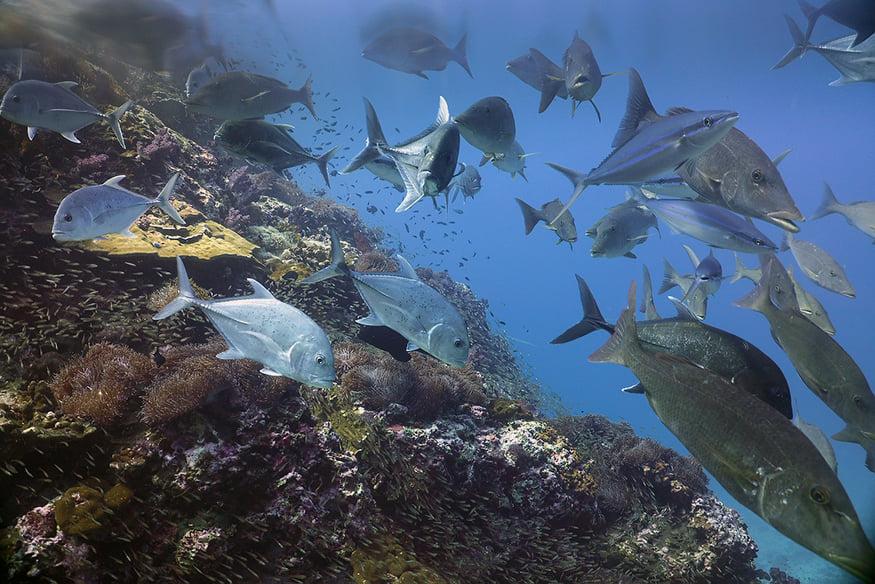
<point>757,241</point>
<point>756,175</point>
<point>16,99</point>
<point>68,217</point>
<point>819,494</point>
<point>320,359</point>
<point>707,122</point>
<point>458,343</point>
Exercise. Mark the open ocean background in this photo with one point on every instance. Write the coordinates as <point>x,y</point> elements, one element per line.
<point>702,55</point>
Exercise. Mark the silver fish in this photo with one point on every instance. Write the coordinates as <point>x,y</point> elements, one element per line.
<point>758,455</point>
<point>819,266</point>
<point>707,275</point>
<point>238,95</point>
<point>564,228</point>
<point>819,439</point>
<point>53,106</point>
<point>402,302</point>
<point>669,186</point>
<point>647,305</point>
<point>855,63</point>
<point>619,231</point>
<point>384,168</point>
<point>512,160</point>
<point>583,78</point>
<point>467,182</point>
<point>540,72</point>
<point>697,299</point>
<point>413,51</point>
<point>260,327</point>
<point>95,211</point>
<point>488,125</point>
<point>648,145</point>
<point>810,306</point>
<point>860,214</point>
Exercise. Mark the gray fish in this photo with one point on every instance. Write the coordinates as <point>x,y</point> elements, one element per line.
<point>564,228</point>
<point>583,78</point>
<point>413,51</point>
<point>402,302</point>
<point>683,336</point>
<point>742,271</point>
<point>737,174</point>
<point>754,452</point>
<point>819,439</point>
<point>860,214</point>
<point>647,305</point>
<point>384,168</point>
<point>512,160</point>
<point>819,266</point>
<point>713,225</point>
<point>648,145</point>
<point>95,211</point>
<point>467,181</point>
<point>53,106</point>
<point>697,300</point>
<point>811,307</point>
<point>260,327</point>
<point>673,187</point>
<point>855,63</point>
<point>856,14</point>
<point>238,95</point>
<point>488,125</point>
<point>269,144</point>
<point>825,367</point>
<point>707,275</point>
<point>540,72</point>
<point>619,231</point>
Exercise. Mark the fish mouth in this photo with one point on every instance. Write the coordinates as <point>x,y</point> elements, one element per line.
<point>862,569</point>
<point>321,382</point>
<point>60,236</point>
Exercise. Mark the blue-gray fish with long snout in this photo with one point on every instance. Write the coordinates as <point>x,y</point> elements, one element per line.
<point>260,327</point>
<point>404,303</point>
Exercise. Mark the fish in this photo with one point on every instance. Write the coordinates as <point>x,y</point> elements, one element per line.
<point>697,300</point>
<point>683,336</point>
<point>647,144</point>
<point>819,439</point>
<point>669,186</point>
<point>711,224</point>
<point>198,76</point>
<point>619,231</point>
<point>53,106</point>
<point>824,366</point>
<point>269,144</point>
<point>410,50</point>
<point>384,168</point>
<point>259,327</point>
<point>810,306</point>
<point>564,229</point>
<point>512,161</point>
<point>582,75</point>
<point>467,181</point>
<point>854,63</point>
<point>737,174</point>
<point>238,95</point>
<point>94,211</point>
<point>488,125</point>
<point>855,14</point>
<point>860,214</point>
<point>537,70</point>
<point>707,275</point>
<point>820,267</point>
<point>405,304</point>
<point>754,452</point>
<point>647,305</point>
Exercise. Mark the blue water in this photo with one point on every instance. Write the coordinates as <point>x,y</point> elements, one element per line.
<point>703,55</point>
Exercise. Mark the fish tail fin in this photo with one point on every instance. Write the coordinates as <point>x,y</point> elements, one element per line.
<point>185,297</point>
<point>798,44</point>
<point>592,317</point>
<point>741,270</point>
<point>579,180</point>
<point>322,163</point>
<point>338,265</point>
<point>670,277</point>
<point>460,54</point>
<point>530,215</point>
<point>163,200</point>
<point>828,205</point>
<point>113,119</point>
<point>375,139</point>
<point>758,298</point>
<point>305,94</point>
<point>624,339</point>
<point>810,13</point>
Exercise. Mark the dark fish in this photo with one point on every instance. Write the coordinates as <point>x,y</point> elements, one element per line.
<point>237,95</point>
<point>648,145</point>
<point>860,214</point>
<point>269,144</point>
<point>467,181</point>
<point>825,367</point>
<point>858,15</point>
<point>758,455</point>
<point>619,231</point>
<point>540,72</point>
<point>413,51</point>
<point>583,78</point>
<point>564,228</point>
<point>729,356</point>
<point>488,125</point>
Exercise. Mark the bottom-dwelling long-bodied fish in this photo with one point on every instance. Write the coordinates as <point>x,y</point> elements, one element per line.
<point>758,455</point>
<point>260,327</point>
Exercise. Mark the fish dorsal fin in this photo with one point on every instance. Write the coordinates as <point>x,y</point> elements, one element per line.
<point>68,85</point>
<point>639,109</point>
<point>259,291</point>
<point>777,159</point>
<point>692,255</point>
<point>405,270</point>
<point>684,312</point>
<point>114,181</point>
<point>443,115</point>
<point>677,110</point>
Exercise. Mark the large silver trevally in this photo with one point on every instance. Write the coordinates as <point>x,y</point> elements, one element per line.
<point>737,174</point>
<point>824,366</point>
<point>819,266</point>
<point>238,95</point>
<point>260,327</point>
<point>583,77</point>
<point>467,181</point>
<point>564,228</point>
<point>860,214</point>
<point>619,231</point>
<point>648,144</point>
<point>413,51</point>
<point>855,63</point>
<point>53,106</point>
<point>95,211</point>
<point>755,453</point>
<point>488,125</point>
<point>269,144</point>
<point>537,70</point>
<point>404,303</point>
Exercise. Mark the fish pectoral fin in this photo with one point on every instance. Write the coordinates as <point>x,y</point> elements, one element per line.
<point>254,97</point>
<point>412,347</point>
<point>370,320</point>
<point>265,340</point>
<point>746,480</point>
<point>271,146</point>
<point>631,255</point>
<point>231,353</point>
<point>271,372</point>
<point>31,132</point>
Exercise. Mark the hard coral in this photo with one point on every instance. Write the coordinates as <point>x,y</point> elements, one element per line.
<point>164,147</point>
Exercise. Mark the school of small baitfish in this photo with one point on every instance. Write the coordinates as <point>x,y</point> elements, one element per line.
<point>726,401</point>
